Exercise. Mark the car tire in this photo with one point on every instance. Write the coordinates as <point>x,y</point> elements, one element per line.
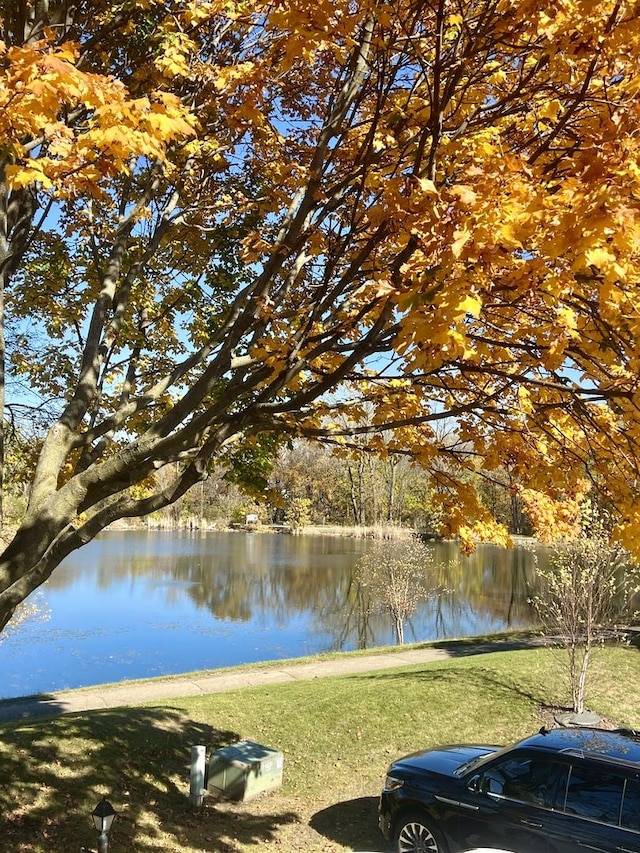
<point>413,834</point>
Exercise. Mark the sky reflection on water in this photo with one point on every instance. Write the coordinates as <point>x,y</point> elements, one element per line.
<point>147,603</point>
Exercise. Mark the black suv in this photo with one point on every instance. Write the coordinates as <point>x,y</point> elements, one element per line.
<point>566,790</point>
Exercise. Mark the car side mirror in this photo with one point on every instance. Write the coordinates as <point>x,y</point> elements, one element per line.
<point>489,785</point>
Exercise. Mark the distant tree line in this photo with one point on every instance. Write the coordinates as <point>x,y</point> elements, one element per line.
<point>310,484</point>
<point>303,484</point>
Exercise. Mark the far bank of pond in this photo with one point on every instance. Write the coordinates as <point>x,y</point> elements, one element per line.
<point>136,604</point>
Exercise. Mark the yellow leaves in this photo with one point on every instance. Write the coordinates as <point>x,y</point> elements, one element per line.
<point>254,247</point>
<point>393,401</point>
<point>377,214</point>
<point>483,530</point>
<point>38,80</point>
<point>568,319</point>
<point>468,520</point>
<point>141,127</point>
<point>553,519</point>
<point>627,532</point>
<point>461,237</point>
<point>471,304</point>
<point>229,77</point>
<point>467,195</point>
<point>508,236</point>
<point>524,400</point>
<point>440,331</point>
<point>607,262</point>
<point>30,92</point>
<point>426,186</point>
<point>476,267</point>
<point>196,12</point>
<point>384,141</point>
<point>600,257</point>
<point>381,286</point>
<point>166,117</point>
<point>32,173</point>
<point>172,64</point>
<point>549,109</point>
<point>498,77</point>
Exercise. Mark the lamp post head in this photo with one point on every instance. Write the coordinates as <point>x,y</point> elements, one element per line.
<point>103,816</point>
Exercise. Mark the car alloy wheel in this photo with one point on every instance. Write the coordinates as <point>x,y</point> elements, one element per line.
<point>414,836</point>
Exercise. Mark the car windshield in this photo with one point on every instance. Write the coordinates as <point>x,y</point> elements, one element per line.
<point>478,761</point>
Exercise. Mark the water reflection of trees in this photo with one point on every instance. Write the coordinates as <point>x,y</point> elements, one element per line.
<point>487,591</point>
<point>274,579</point>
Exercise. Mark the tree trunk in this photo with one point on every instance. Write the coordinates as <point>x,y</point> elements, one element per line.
<point>391,509</point>
<point>4,261</point>
<point>399,628</point>
<point>578,702</point>
<point>2,387</point>
<point>356,489</point>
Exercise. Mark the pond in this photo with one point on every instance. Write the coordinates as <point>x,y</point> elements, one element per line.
<point>148,603</point>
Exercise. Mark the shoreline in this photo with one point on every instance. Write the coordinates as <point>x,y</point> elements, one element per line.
<point>143,691</point>
<point>386,532</point>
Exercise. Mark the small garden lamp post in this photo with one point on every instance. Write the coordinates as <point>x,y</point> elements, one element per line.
<point>103,816</point>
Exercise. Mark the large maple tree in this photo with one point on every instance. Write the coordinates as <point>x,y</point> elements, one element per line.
<point>224,223</point>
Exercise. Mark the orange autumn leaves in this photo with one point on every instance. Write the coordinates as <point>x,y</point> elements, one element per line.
<point>66,129</point>
<point>471,219</point>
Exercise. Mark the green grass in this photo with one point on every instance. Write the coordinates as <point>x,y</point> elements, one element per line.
<point>338,735</point>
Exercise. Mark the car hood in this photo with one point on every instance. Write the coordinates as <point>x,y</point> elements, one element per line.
<point>443,759</point>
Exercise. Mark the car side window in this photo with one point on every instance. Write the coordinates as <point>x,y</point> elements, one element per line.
<point>594,793</point>
<point>631,805</point>
<point>525,779</point>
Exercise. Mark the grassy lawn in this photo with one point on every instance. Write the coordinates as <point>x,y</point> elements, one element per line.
<point>337,734</point>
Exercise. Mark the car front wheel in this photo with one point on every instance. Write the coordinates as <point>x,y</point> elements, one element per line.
<point>413,835</point>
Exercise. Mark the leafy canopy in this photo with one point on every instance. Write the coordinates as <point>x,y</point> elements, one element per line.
<point>222,220</point>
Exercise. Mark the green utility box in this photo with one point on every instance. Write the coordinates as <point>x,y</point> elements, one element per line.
<point>244,770</point>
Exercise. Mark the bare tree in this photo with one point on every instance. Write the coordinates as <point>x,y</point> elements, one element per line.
<point>398,575</point>
<point>585,589</point>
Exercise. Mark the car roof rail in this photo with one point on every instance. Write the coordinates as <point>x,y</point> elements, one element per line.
<point>605,758</point>
<point>625,731</point>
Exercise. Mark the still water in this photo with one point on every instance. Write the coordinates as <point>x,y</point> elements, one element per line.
<point>147,603</point>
